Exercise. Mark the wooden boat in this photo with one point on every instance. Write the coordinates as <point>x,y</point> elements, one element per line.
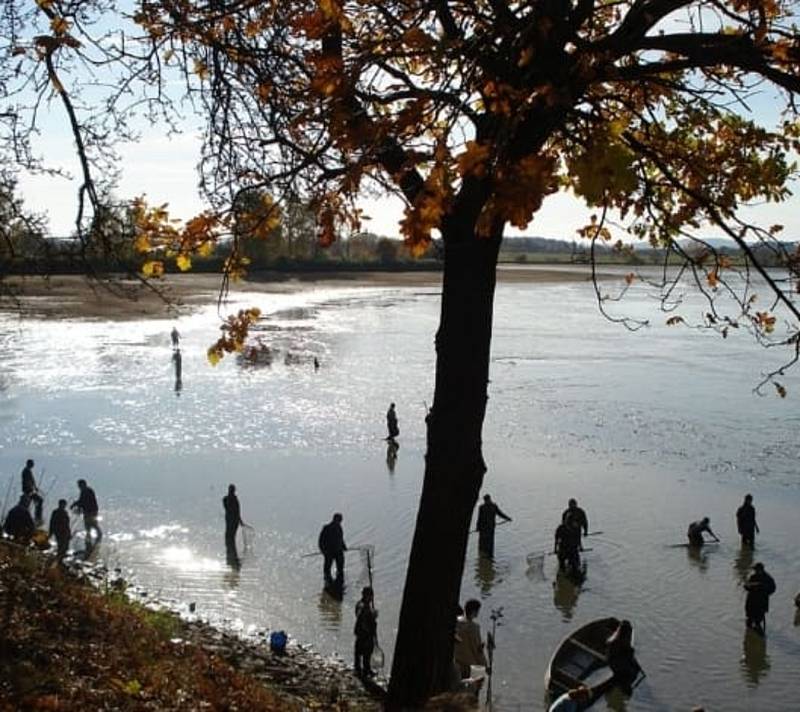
<point>581,654</point>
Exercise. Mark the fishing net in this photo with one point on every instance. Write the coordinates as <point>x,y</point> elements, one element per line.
<point>367,560</point>
<point>248,534</point>
<point>377,659</point>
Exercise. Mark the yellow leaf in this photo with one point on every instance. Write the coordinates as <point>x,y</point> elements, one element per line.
<point>200,69</point>
<point>214,356</point>
<point>153,268</point>
<point>184,262</point>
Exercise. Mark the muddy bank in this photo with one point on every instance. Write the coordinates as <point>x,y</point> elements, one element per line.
<point>71,638</point>
<point>72,296</point>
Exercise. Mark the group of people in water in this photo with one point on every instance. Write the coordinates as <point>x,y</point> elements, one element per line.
<point>22,527</point>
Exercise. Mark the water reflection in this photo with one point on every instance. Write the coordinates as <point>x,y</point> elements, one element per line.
<point>392,447</point>
<point>797,616</point>
<point>177,361</point>
<point>485,573</point>
<point>743,563</point>
<point>755,661</point>
<point>330,612</point>
<point>566,590</point>
<point>697,557</point>
<point>232,576</point>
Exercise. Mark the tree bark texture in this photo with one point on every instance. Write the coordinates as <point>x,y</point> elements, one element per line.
<point>454,469</point>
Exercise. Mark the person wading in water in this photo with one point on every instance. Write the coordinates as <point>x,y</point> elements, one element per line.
<point>487,520</point>
<point>331,544</point>
<point>233,519</point>
<point>746,522</point>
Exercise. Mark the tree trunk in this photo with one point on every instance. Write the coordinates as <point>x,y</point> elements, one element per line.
<point>454,470</point>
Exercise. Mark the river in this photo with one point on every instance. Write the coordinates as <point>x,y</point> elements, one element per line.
<point>648,430</point>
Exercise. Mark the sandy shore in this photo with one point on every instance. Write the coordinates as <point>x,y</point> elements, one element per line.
<point>73,296</point>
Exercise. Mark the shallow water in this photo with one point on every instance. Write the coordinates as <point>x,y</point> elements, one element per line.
<point>649,430</point>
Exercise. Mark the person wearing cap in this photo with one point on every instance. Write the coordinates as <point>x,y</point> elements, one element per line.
<point>331,544</point>
<point>696,529</point>
<point>759,586</point>
<point>746,522</point>
<point>574,512</point>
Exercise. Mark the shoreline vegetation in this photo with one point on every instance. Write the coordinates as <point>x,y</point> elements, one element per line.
<point>122,298</point>
<point>72,639</point>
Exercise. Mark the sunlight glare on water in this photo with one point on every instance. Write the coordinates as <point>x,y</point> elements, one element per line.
<point>649,430</point>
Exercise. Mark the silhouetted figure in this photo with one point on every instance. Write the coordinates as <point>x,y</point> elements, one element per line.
<point>316,363</point>
<point>365,629</point>
<point>577,514</point>
<point>468,649</point>
<point>233,519</point>
<point>175,336</point>
<point>60,529</point>
<point>696,529</point>
<point>391,454</point>
<point>19,523</point>
<point>86,504</point>
<point>567,545</point>
<point>621,658</point>
<point>331,544</point>
<point>746,521</point>
<point>391,422</point>
<point>31,491</point>
<point>759,586</point>
<point>487,520</point>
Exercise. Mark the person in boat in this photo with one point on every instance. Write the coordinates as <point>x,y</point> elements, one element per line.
<point>86,504</point>
<point>233,520</point>
<point>567,545</point>
<point>577,514</point>
<point>759,586</point>
<point>621,658</point>
<point>331,544</point>
<point>60,529</point>
<point>468,649</point>
<point>365,629</point>
<point>391,422</point>
<point>696,529</point>
<point>746,522</point>
<point>487,521</point>
<point>19,524</point>
<point>31,491</point>
<point>573,700</point>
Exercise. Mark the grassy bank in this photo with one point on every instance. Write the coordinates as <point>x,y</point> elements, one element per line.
<point>65,645</point>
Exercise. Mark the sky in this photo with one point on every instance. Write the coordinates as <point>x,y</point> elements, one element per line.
<point>163,169</point>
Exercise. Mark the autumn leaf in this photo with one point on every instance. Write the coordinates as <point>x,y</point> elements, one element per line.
<point>713,279</point>
<point>184,262</point>
<point>630,277</point>
<point>781,390</point>
<point>153,268</point>
<point>59,25</point>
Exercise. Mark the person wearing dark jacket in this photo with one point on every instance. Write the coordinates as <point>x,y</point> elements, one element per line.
<point>567,545</point>
<point>331,544</point>
<point>695,532</point>
<point>391,423</point>
<point>30,489</point>
<point>86,504</point>
<point>365,629</point>
<point>577,514</point>
<point>233,517</point>
<point>60,528</point>
<point>746,522</point>
<point>19,523</point>
<point>487,521</point>
<point>759,586</point>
